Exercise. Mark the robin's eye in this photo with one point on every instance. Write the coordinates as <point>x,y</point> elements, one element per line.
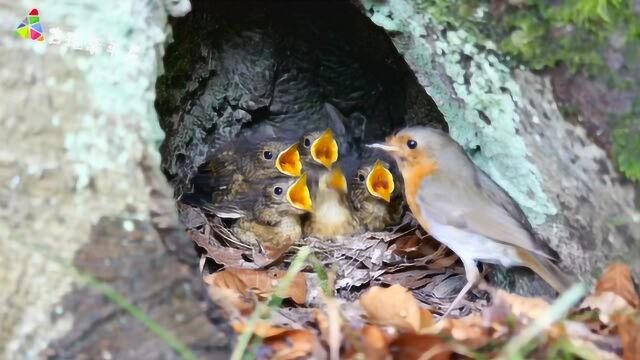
<point>412,144</point>
<point>277,190</point>
<point>267,155</point>
<point>361,177</point>
<point>307,142</point>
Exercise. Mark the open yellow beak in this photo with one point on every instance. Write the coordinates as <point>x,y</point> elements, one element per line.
<point>298,194</point>
<point>324,149</point>
<point>380,182</point>
<point>337,180</point>
<point>288,161</point>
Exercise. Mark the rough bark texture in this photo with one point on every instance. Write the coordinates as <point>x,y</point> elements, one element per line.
<point>82,173</point>
<point>82,187</point>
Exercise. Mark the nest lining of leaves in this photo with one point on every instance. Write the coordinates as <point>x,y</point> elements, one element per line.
<point>402,255</point>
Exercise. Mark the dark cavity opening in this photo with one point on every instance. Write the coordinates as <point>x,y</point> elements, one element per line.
<point>235,64</point>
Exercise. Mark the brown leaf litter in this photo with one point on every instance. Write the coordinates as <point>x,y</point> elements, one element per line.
<point>387,286</point>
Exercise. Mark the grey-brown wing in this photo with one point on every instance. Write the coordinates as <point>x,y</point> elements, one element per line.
<point>501,197</point>
<point>477,205</point>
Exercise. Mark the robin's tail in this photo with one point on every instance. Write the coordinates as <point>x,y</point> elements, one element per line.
<point>547,270</point>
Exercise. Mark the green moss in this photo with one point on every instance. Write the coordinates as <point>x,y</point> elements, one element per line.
<point>626,144</point>
<point>540,33</point>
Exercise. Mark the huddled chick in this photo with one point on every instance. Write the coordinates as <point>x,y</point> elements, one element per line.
<point>271,213</point>
<point>376,195</point>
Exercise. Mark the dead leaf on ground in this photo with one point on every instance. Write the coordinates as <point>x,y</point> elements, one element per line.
<point>629,330</point>
<point>370,342</point>
<point>262,282</point>
<point>262,329</point>
<point>288,345</point>
<point>395,306</point>
<point>444,262</point>
<point>531,308</point>
<point>231,301</point>
<point>416,346</point>
<point>412,247</point>
<point>617,279</point>
<point>606,304</point>
<point>470,330</point>
<point>375,342</point>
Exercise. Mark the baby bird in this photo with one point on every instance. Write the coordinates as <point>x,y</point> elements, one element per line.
<point>230,168</point>
<point>269,216</point>
<point>317,150</point>
<point>376,195</point>
<point>332,215</point>
<point>463,208</point>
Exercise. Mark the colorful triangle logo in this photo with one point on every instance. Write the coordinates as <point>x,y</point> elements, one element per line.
<point>30,27</point>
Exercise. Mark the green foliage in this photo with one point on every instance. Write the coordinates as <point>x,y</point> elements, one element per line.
<point>626,144</point>
<point>575,32</point>
<point>542,34</point>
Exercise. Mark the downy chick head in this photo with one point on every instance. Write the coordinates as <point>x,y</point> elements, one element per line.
<point>281,197</point>
<point>375,195</point>
<point>318,148</point>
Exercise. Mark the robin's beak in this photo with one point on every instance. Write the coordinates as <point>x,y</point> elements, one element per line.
<point>385,146</point>
<point>324,149</point>
<point>337,181</point>
<point>288,161</point>
<point>298,194</point>
<point>380,182</point>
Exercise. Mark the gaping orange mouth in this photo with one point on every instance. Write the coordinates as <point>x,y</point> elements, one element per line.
<point>299,196</point>
<point>324,149</point>
<point>288,161</point>
<point>380,182</point>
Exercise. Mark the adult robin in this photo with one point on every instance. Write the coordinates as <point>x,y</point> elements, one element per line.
<point>376,195</point>
<point>463,208</point>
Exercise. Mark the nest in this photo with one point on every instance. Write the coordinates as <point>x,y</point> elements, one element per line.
<point>403,254</point>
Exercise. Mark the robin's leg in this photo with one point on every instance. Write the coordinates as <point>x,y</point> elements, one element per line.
<point>473,276</point>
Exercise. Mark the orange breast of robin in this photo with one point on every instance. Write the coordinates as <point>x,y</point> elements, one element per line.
<point>414,175</point>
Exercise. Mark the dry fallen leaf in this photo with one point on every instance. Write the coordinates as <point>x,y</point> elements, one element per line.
<point>617,279</point>
<point>263,329</point>
<point>444,262</point>
<point>629,330</point>
<point>412,247</point>
<point>232,302</point>
<point>288,345</point>
<point>531,308</point>
<point>416,346</point>
<point>470,330</point>
<point>262,282</point>
<point>395,306</point>
<point>606,304</point>
<point>370,342</point>
<point>375,342</point>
